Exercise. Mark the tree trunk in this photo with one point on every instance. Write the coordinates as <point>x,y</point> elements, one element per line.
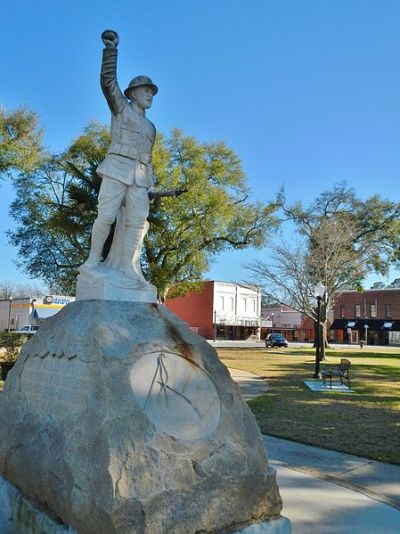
<point>162,295</point>
<point>324,331</point>
<point>323,338</point>
<point>315,334</point>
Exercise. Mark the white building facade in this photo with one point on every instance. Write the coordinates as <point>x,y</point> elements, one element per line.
<point>237,311</point>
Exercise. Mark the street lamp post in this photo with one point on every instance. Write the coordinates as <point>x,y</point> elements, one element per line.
<point>366,331</point>
<point>9,314</point>
<point>319,292</point>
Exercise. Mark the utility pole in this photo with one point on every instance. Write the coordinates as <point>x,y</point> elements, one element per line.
<point>9,314</point>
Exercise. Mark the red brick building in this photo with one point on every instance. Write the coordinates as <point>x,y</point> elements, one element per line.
<point>373,315</point>
<point>196,308</point>
<point>222,310</point>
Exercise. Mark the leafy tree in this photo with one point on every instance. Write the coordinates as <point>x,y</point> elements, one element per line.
<point>212,216</point>
<point>340,239</point>
<point>378,285</point>
<point>20,140</point>
<point>56,206</point>
<point>381,285</point>
<point>42,251</point>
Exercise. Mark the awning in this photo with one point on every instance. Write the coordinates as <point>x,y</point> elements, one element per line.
<point>343,324</point>
<point>45,313</point>
<point>371,324</point>
<point>394,326</point>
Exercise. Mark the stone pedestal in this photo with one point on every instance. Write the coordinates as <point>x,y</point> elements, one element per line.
<point>103,283</point>
<point>118,419</point>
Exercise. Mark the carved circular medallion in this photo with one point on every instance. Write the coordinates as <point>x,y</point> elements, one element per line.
<point>177,396</point>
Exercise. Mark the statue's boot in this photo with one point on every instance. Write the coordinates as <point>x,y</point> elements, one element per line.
<point>133,240</point>
<point>100,233</point>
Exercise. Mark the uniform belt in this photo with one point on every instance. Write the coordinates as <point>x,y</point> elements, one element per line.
<point>129,152</point>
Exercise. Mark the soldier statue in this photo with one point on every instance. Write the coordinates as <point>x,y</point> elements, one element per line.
<point>126,172</point>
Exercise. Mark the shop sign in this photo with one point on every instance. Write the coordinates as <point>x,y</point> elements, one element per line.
<point>61,300</point>
<point>266,323</point>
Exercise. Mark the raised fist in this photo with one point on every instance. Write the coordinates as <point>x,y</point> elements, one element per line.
<point>110,38</point>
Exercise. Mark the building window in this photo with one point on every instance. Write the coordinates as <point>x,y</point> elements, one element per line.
<point>388,311</point>
<point>244,305</point>
<point>341,311</point>
<point>231,303</point>
<point>222,303</point>
<point>254,306</point>
<point>372,310</point>
<point>358,310</point>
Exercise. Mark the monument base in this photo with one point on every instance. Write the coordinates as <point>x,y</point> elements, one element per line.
<point>103,283</point>
<point>25,517</point>
<point>117,419</point>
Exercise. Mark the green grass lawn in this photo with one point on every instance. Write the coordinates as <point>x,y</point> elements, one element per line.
<point>365,423</point>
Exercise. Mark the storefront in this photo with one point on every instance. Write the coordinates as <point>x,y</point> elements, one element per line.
<point>375,331</point>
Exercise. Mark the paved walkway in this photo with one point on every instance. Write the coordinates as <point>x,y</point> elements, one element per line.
<point>250,384</point>
<point>335,493</point>
<point>326,491</point>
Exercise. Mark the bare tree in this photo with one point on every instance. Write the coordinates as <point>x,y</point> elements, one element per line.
<point>9,289</point>
<point>339,239</point>
<point>293,272</point>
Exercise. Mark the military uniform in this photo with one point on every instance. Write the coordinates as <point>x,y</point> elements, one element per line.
<point>128,160</point>
<point>127,171</point>
<point>129,156</point>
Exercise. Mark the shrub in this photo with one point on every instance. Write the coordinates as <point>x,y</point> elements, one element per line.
<point>11,343</point>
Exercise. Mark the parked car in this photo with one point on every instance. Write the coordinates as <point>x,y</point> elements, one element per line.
<point>27,330</point>
<point>276,340</point>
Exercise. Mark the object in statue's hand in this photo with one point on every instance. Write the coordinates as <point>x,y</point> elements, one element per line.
<point>110,38</point>
<point>170,193</point>
<point>179,192</point>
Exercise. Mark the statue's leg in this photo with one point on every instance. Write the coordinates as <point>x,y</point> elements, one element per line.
<point>137,210</point>
<point>110,199</point>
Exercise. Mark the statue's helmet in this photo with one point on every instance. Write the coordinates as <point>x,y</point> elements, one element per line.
<point>140,81</point>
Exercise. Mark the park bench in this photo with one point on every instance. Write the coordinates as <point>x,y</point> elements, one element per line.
<point>341,372</point>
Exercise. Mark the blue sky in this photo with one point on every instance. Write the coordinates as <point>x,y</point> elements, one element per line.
<point>306,92</point>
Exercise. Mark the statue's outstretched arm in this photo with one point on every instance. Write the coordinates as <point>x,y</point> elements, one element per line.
<point>170,193</point>
<point>108,76</point>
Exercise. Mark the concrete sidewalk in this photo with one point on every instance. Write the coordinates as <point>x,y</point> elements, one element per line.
<point>326,491</point>
<point>377,480</point>
<point>335,493</point>
<point>315,506</point>
<point>250,385</point>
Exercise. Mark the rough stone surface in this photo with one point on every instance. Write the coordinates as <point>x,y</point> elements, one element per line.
<point>118,419</point>
<point>19,515</point>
